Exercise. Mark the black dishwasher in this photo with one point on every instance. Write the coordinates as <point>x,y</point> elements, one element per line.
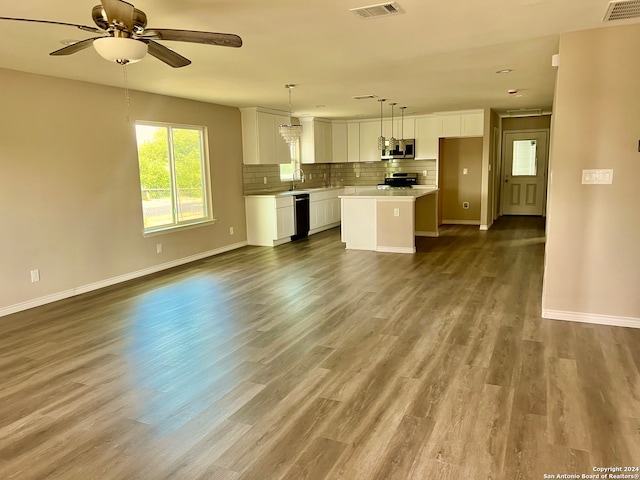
<point>301,203</point>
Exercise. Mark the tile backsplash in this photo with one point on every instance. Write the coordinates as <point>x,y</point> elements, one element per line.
<point>335,174</point>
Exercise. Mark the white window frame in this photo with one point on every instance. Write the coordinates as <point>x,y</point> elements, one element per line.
<point>205,171</point>
<point>294,152</point>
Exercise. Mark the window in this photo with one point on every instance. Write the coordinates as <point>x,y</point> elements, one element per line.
<point>173,175</point>
<point>287,170</point>
<point>524,158</point>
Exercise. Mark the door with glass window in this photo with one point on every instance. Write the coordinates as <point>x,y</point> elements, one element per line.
<point>524,173</point>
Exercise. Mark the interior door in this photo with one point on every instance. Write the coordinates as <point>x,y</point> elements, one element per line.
<point>524,172</point>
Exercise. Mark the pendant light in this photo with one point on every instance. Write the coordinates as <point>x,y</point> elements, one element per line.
<point>290,132</point>
<point>393,143</point>
<point>381,139</point>
<point>401,143</point>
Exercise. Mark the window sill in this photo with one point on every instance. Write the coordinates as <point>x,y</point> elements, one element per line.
<point>174,228</point>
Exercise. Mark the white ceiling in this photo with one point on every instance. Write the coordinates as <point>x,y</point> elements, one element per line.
<point>436,56</point>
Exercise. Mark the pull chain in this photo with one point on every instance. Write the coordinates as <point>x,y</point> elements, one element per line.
<point>127,99</point>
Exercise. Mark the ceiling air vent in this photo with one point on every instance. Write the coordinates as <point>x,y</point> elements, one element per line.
<point>380,10</point>
<point>622,10</point>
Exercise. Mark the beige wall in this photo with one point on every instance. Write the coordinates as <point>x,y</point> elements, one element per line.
<point>457,154</point>
<point>69,189</point>
<point>541,122</point>
<point>592,269</point>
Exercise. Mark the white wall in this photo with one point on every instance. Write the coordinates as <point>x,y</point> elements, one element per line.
<point>592,270</point>
<point>70,194</point>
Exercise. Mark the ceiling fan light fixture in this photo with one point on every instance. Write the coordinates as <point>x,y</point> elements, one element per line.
<point>120,49</point>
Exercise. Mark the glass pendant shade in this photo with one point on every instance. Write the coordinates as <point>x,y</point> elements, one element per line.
<point>401,143</point>
<point>120,50</point>
<point>381,139</point>
<point>393,143</point>
<point>290,132</point>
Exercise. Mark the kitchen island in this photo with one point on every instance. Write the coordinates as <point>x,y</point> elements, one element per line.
<point>388,220</point>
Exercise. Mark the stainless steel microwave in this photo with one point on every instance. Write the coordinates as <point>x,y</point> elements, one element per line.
<point>396,154</point>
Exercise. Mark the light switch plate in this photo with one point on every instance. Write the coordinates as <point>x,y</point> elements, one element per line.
<point>597,176</point>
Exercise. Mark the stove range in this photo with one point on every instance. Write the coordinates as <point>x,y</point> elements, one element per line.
<point>399,180</point>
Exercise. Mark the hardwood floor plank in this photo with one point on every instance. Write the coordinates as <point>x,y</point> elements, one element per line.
<point>403,448</point>
<point>316,461</point>
<point>567,421</point>
<point>503,358</point>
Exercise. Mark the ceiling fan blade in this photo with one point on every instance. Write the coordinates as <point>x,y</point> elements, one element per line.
<point>167,55</point>
<point>81,27</point>
<point>119,13</point>
<point>75,47</point>
<point>208,38</point>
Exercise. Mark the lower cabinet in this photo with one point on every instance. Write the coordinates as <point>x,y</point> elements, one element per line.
<point>324,210</point>
<point>270,219</point>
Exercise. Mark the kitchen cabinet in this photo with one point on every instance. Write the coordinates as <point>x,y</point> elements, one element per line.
<point>261,141</point>
<point>270,219</point>
<point>353,142</point>
<point>408,131</point>
<point>460,124</point>
<point>316,140</point>
<point>426,137</point>
<point>324,210</point>
<point>369,133</point>
<point>339,142</point>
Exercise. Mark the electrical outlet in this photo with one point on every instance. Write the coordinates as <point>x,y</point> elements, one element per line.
<point>264,180</point>
<point>230,230</point>
<point>35,276</point>
<point>158,248</point>
<point>465,205</point>
<point>465,171</point>
<point>396,212</point>
<point>424,173</point>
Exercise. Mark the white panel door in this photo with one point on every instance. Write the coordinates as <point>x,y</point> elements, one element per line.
<point>525,172</point>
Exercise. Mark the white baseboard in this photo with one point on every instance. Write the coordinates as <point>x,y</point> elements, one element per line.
<point>595,318</point>
<point>396,249</point>
<point>420,233</point>
<point>460,222</point>
<point>54,297</point>
<point>484,228</point>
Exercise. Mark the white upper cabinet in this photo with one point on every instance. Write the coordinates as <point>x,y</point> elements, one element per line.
<point>261,140</point>
<point>353,142</point>
<point>369,133</point>
<point>401,129</point>
<point>426,136</point>
<point>316,145</point>
<point>339,142</point>
<point>460,124</point>
<point>472,124</point>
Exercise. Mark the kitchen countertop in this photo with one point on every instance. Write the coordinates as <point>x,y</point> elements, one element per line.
<point>395,193</point>
<point>294,192</point>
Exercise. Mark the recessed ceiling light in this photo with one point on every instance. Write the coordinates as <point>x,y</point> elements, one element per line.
<point>505,70</point>
<point>320,106</point>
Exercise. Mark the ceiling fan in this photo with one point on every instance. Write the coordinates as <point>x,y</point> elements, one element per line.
<point>124,36</point>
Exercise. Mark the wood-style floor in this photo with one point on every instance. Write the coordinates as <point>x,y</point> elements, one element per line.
<point>307,361</point>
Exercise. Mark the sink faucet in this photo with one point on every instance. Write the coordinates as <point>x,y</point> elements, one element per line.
<point>293,178</point>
